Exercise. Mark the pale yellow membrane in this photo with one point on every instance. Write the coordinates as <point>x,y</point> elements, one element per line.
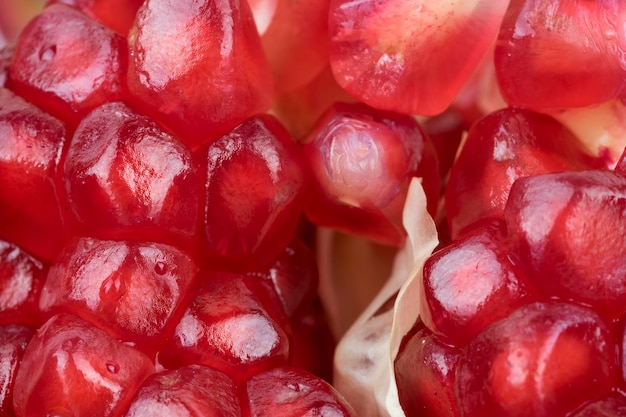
<point>365,355</point>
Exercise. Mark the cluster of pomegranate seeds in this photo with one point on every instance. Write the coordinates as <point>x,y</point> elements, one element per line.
<point>163,162</point>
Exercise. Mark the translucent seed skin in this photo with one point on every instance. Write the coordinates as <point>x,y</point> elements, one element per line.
<point>361,161</point>
<point>69,64</point>
<point>31,143</point>
<point>197,67</point>
<point>192,391</point>
<point>73,368</point>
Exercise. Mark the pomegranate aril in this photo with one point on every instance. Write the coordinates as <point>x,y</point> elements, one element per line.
<point>31,143</point>
<point>21,279</point>
<point>425,373</point>
<point>361,162</point>
<point>568,229</point>
<point>13,341</point>
<point>288,42</point>
<point>6,55</point>
<point>125,178</point>
<point>561,53</point>
<point>500,148</point>
<point>621,163</point>
<point>410,56</point>
<point>115,14</point>
<point>612,405</point>
<point>294,276</point>
<point>253,194</point>
<point>231,325</point>
<point>73,368</point>
<point>312,344</point>
<point>192,391</point>
<point>543,360</point>
<point>472,283</point>
<point>286,392</point>
<point>198,66</point>
<point>69,64</point>
<point>135,291</point>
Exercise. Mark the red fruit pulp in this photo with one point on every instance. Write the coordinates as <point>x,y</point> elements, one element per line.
<point>134,291</point>
<point>198,66</point>
<point>126,178</point>
<point>13,341</point>
<point>192,391</point>
<point>253,193</point>
<point>543,360</point>
<point>500,148</point>
<point>361,161</point>
<point>409,56</point>
<point>560,53</point>
<point>568,231</point>
<point>68,64</point>
<point>73,368</point>
<point>31,142</point>
<point>116,14</point>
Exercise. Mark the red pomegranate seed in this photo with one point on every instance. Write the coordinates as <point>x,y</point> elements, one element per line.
<point>198,66</point>
<point>312,344</point>
<point>361,161</point>
<point>284,392</point>
<point>543,360</point>
<point>31,143</point>
<point>126,178</point>
<point>6,55</point>
<point>68,64</point>
<point>425,373</point>
<point>568,231</point>
<point>21,279</point>
<point>116,14</point>
<point>134,291</point>
<point>500,148</point>
<point>410,56</point>
<point>560,53</point>
<point>13,341</point>
<point>612,405</point>
<point>295,27</point>
<point>472,283</point>
<point>621,163</point>
<point>192,391</point>
<point>231,325</point>
<point>73,368</point>
<point>294,276</point>
<point>253,194</point>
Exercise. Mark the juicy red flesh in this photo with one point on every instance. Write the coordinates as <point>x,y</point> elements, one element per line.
<point>542,361</point>
<point>31,143</point>
<point>286,392</point>
<point>21,279</point>
<point>294,276</point>
<point>560,53</point>
<point>198,66</point>
<point>73,368</point>
<point>135,291</point>
<point>253,193</point>
<point>126,178</point>
<point>231,326</point>
<point>425,370</point>
<point>409,56</point>
<point>6,54</point>
<point>192,391</point>
<point>610,406</point>
<point>13,341</point>
<point>568,230</point>
<point>361,161</point>
<point>470,284</point>
<point>500,148</point>
<point>115,14</point>
<point>68,64</point>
